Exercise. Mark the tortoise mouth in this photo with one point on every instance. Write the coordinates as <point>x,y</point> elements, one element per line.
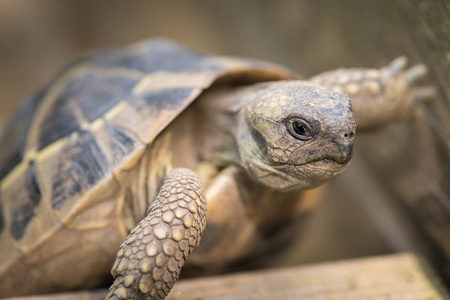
<point>289,177</point>
<point>311,174</point>
<point>315,161</point>
<point>328,161</point>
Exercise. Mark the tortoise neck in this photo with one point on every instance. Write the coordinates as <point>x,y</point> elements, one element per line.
<point>217,121</point>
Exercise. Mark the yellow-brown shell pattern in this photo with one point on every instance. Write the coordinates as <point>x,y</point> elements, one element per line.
<point>66,146</point>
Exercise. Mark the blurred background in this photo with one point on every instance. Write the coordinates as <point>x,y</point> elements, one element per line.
<point>395,196</point>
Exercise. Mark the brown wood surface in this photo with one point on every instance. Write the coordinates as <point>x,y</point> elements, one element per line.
<point>393,277</point>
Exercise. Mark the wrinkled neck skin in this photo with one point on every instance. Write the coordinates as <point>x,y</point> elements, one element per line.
<point>217,124</point>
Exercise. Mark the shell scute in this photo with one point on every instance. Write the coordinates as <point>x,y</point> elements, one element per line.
<point>157,55</point>
<point>97,95</point>
<point>81,166</point>
<point>26,201</point>
<point>20,220</point>
<point>85,99</point>
<point>14,134</point>
<point>166,99</point>
<point>121,142</point>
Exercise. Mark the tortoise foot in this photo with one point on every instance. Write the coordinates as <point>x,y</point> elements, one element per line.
<point>381,96</point>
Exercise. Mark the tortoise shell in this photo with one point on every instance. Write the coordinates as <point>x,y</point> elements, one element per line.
<point>67,143</point>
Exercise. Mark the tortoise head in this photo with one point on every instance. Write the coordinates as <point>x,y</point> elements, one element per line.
<point>295,135</point>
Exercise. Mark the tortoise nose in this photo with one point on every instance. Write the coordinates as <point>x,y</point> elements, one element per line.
<point>349,135</point>
<point>346,152</point>
<point>345,140</point>
<point>340,152</point>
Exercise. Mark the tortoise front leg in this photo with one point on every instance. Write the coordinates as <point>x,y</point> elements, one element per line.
<point>149,261</point>
<point>380,96</point>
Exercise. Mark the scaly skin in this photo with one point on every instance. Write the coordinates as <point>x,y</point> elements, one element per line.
<point>382,96</point>
<point>149,261</point>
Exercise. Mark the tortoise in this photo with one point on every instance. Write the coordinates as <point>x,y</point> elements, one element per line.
<point>112,164</point>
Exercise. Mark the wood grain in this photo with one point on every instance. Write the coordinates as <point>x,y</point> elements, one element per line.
<point>401,276</point>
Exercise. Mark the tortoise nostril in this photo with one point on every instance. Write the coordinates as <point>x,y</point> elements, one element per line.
<point>351,134</point>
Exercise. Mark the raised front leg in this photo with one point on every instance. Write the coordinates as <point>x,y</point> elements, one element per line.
<point>380,96</point>
<point>149,261</point>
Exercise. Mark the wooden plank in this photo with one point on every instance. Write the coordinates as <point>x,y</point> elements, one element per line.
<point>393,277</point>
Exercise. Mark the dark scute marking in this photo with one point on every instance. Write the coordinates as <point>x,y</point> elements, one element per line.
<point>93,94</point>
<point>25,117</point>
<point>2,217</point>
<point>157,56</point>
<point>165,99</point>
<point>32,185</point>
<point>21,218</point>
<point>98,95</point>
<point>15,134</point>
<point>59,196</point>
<point>27,202</point>
<point>171,62</point>
<point>123,141</point>
<point>81,165</point>
<point>59,123</point>
<point>9,161</point>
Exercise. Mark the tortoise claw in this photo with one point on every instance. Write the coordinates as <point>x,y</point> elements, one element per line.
<point>398,65</point>
<point>413,78</point>
<point>416,74</point>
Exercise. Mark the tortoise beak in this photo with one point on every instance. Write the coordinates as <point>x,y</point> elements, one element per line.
<point>339,147</point>
<point>346,153</point>
<point>345,142</point>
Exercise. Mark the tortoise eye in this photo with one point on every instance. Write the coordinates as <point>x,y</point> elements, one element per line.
<point>299,129</point>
